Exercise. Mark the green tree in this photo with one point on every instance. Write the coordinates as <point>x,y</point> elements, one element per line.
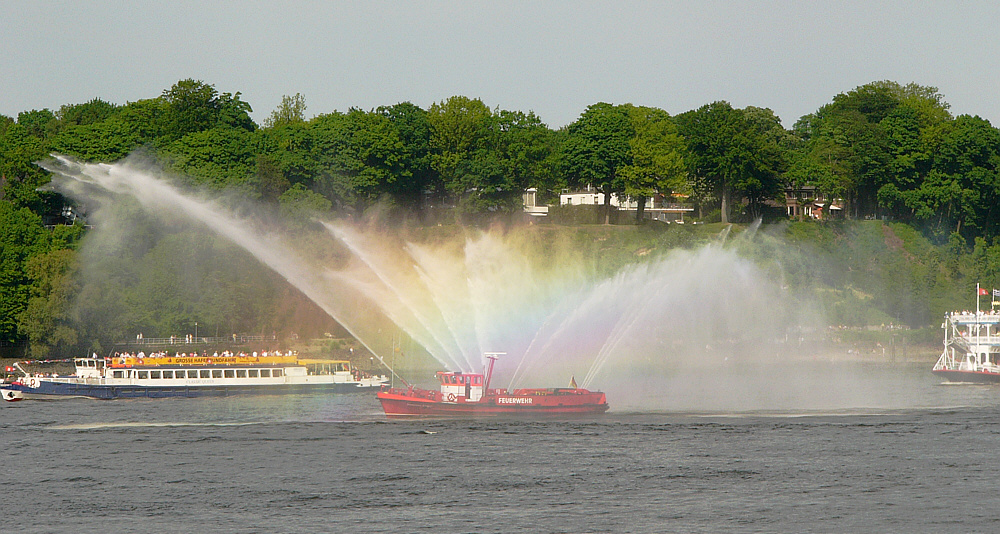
<point>597,149</point>
<point>300,204</point>
<point>292,110</point>
<point>146,120</point>
<point>962,190</point>
<point>358,157</point>
<point>46,321</point>
<point>91,112</point>
<point>271,182</point>
<point>734,153</point>
<point>769,144</point>
<point>875,140</point>
<point>415,173</point>
<point>20,178</point>
<point>22,236</point>
<point>290,146</point>
<point>5,124</point>
<point>657,163</point>
<point>38,123</point>
<point>108,140</point>
<point>459,129</point>
<point>220,157</point>
<point>194,106</point>
<point>496,174</point>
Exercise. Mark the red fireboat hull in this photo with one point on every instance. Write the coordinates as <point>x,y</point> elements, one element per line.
<point>560,402</point>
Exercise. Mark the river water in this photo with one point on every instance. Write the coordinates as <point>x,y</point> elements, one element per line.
<point>326,463</point>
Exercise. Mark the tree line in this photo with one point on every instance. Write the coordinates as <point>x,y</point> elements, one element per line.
<point>887,150</point>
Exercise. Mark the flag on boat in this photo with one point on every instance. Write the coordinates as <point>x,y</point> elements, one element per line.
<point>996,292</point>
<point>983,292</point>
<point>572,382</point>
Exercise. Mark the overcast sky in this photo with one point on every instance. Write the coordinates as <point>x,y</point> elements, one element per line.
<point>551,57</point>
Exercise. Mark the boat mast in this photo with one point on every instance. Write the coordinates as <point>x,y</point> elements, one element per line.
<point>492,357</point>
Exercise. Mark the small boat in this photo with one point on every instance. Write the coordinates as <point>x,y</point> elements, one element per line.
<point>162,375</point>
<point>971,348</point>
<point>469,395</point>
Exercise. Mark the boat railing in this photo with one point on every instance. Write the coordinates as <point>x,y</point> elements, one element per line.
<point>972,318</point>
<point>197,340</point>
<point>412,391</point>
<point>980,340</point>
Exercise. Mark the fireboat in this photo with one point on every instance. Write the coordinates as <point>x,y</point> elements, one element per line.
<point>469,395</point>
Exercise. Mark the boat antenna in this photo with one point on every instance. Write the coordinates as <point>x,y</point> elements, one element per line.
<point>391,370</point>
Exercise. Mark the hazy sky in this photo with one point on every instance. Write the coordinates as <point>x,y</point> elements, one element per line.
<point>552,57</point>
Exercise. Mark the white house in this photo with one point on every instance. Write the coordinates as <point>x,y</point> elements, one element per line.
<point>658,207</point>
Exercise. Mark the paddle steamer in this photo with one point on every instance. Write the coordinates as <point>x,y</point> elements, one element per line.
<point>971,348</point>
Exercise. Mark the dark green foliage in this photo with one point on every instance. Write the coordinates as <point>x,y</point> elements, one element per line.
<point>108,140</point>
<point>884,150</point>
<point>21,237</point>
<point>194,106</point>
<point>734,154</point>
<point>46,320</point>
<point>220,157</point>
<point>36,265</point>
<point>92,112</point>
<point>597,150</point>
<point>415,174</point>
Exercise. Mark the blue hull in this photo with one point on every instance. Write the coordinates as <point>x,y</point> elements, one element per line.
<point>53,390</point>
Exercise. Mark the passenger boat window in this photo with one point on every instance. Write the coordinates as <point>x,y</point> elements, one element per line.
<point>265,373</point>
<point>168,374</point>
<point>192,373</point>
<point>253,373</point>
<point>143,374</point>
<point>241,373</point>
<point>118,374</point>
<point>277,372</point>
<point>216,373</point>
<point>205,373</point>
<point>230,373</point>
<point>154,374</point>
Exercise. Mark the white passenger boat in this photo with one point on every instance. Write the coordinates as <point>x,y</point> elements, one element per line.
<point>181,375</point>
<point>971,348</point>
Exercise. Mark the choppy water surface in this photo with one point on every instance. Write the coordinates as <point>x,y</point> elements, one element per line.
<point>319,463</point>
